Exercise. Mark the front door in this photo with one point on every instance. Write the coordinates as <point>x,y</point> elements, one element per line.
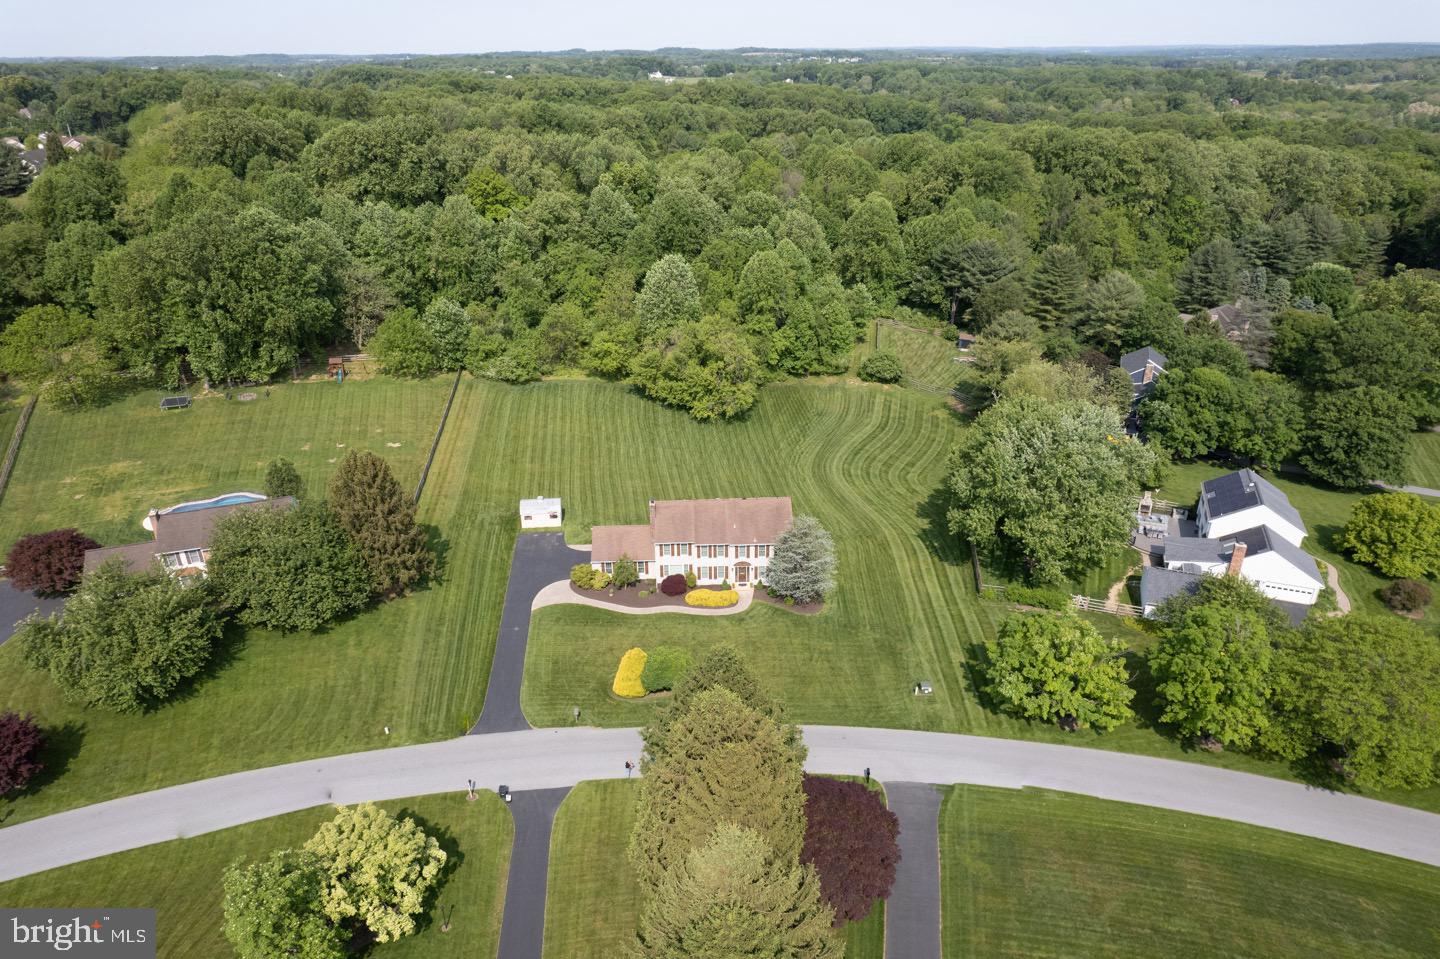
<point>742,574</point>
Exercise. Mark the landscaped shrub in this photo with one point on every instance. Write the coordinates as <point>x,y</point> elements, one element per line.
<point>582,575</point>
<point>712,597</point>
<point>664,665</point>
<point>601,581</point>
<point>20,743</point>
<point>1043,597</point>
<point>48,562</point>
<point>627,676</point>
<point>882,366</point>
<point>690,579</point>
<point>673,585</point>
<point>625,572</point>
<point>1406,595</point>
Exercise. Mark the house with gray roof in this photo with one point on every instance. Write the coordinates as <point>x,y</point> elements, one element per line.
<point>1242,500</point>
<point>1248,529</point>
<point>1143,366</point>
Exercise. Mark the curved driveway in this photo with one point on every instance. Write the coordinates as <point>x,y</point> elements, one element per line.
<point>554,758</point>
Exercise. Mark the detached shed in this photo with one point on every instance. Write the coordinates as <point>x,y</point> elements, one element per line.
<point>540,512</point>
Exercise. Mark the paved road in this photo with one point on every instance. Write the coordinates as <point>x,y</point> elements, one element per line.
<point>552,758</point>
<point>912,915</point>
<point>16,604</point>
<point>522,930</point>
<point>539,560</point>
<point>1417,490</point>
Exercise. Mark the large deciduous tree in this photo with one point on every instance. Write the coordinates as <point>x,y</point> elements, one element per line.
<point>852,841</point>
<point>124,643</point>
<point>1397,533</point>
<point>1212,672</point>
<point>379,869</point>
<point>273,907</point>
<point>669,298</point>
<point>803,566</point>
<point>733,896</point>
<point>48,563</point>
<point>1358,436</point>
<point>287,569</point>
<point>1057,669</point>
<point>370,505</point>
<point>1054,485</point>
<point>1365,692</point>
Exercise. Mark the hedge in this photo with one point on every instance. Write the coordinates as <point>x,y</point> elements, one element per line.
<point>1037,596</point>
<point>712,597</point>
<point>673,585</point>
<point>627,677</point>
<point>664,665</point>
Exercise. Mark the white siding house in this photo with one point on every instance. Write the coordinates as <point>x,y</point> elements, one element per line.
<point>718,540</point>
<point>540,512</point>
<point>1243,500</point>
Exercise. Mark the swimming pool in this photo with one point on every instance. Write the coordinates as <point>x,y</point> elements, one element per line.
<point>229,499</point>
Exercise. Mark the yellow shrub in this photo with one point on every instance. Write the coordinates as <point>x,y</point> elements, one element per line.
<point>627,677</point>
<point>712,597</point>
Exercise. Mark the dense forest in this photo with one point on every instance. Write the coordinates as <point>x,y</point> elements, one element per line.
<point>697,225</point>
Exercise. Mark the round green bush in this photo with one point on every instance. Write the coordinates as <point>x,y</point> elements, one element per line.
<point>882,366</point>
<point>664,666</point>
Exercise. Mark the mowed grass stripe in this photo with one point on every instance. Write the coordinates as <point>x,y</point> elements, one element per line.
<point>1034,873</point>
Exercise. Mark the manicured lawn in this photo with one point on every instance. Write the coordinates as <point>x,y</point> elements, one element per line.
<point>418,665</point>
<point>929,359</point>
<point>181,879</point>
<point>1043,874</point>
<point>593,905</point>
<point>1425,460</point>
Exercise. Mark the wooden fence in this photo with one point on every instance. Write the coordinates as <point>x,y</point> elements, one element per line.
<point>1115,607</point>
<point>14,449</point>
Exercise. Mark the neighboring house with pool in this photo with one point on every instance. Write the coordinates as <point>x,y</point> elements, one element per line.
<point>180,535</point>
<point>719,540</point>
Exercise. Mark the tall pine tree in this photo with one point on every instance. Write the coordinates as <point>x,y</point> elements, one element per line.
<point>380,519</point>
<point>1058,287</point>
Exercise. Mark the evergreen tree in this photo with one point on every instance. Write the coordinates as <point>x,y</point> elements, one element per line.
<point>722,667</point>
<point>380,519</point>
<point>722,762</point>
<point>733,897</point>
<point>1111,306</point>
<point>282,479</point>
<point>13,178</point>
<point>1058,287</point>
<point>1209,277</point>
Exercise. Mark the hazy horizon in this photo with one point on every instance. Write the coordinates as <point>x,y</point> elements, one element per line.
<point>161,28</point>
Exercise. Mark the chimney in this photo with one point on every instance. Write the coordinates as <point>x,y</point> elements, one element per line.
<point>1237,558</point>
<point>1149,375</point>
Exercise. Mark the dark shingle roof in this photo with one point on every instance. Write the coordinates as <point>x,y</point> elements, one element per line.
<point>1192,549</point>
<point>1244,489</point>
<point>1158,584</point>
<point>1258,539</point>
<point>1134,362</point>
<point>175,532</point>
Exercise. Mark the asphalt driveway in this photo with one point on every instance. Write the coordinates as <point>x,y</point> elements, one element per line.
<point>16,604</point>
<point>539,560</point>
<point>522,929</point>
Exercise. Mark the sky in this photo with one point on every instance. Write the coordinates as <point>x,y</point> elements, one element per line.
<point>197,27</point>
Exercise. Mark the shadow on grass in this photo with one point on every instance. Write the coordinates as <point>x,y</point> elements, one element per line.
<point>935,534</point>
<point>454,857</point>
<point>225,651</point>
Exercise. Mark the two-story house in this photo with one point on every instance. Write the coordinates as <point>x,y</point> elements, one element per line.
<point>1247,528</point>
<point>719,540</point>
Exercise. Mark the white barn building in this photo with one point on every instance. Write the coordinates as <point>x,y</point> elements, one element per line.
<point>542,512</point>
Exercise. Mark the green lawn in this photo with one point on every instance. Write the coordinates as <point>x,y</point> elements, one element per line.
<point>1042,874</point>
<point>593,907</point>
<point>929,359</point>
<point>1425,460</point>
<point>181,879</point>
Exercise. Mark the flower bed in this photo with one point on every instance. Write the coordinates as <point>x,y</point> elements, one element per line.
<point>712,598</point>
